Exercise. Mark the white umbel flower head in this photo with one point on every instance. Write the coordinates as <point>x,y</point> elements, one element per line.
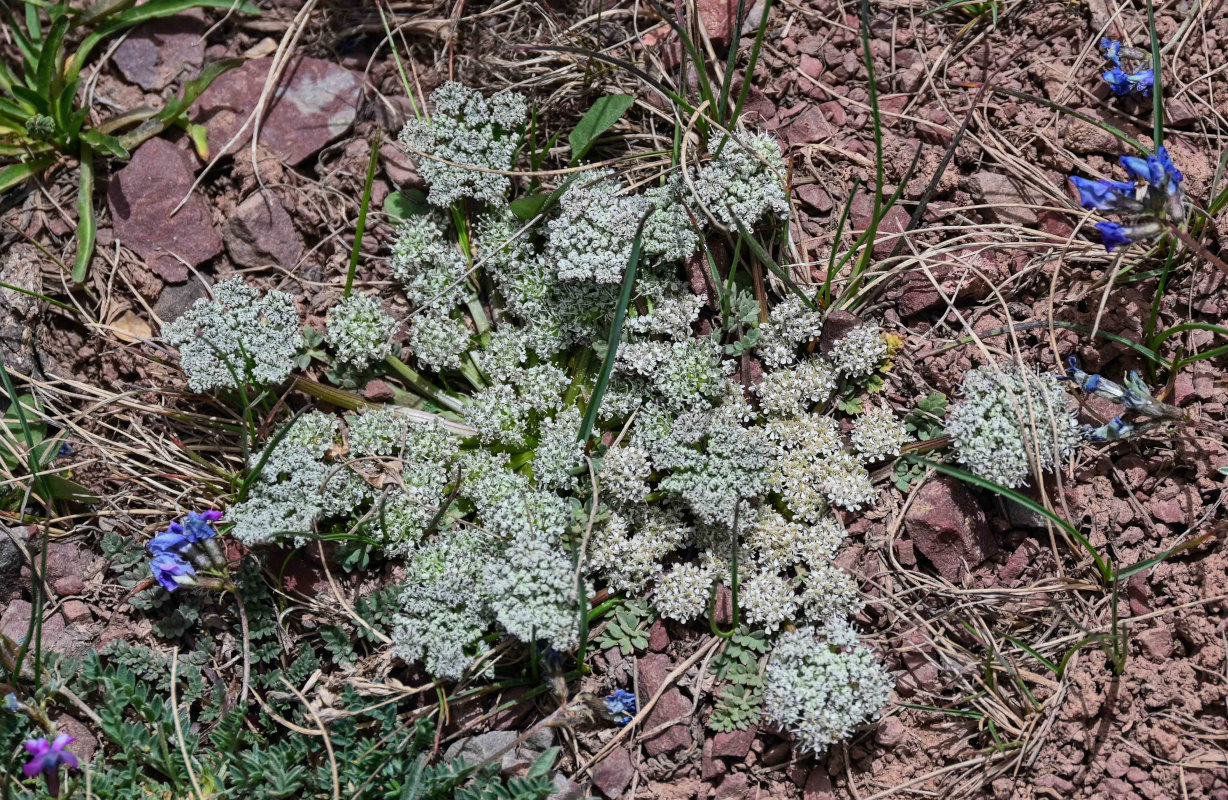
<point>878,433</point>
<point>859,352</point>
<point>1005,418</point>
<point>360,331</point>
<point>468,130</point>
<point>745,180</point>
<point>237,337</point>
<point>820,687</point>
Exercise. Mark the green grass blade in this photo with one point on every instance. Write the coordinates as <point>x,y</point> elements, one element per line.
<point>1157,89</point>
<point>87,224</point>
<point>361,227</point>
<point>616,332</point>
<point>1048,664</point>
<point>1148,563</point>
<point>722,102</point>
<point>1101,565</point>
<point>825,292</point>
<point>749,74</point>
<point>769,262</point>
<point>701,73</point>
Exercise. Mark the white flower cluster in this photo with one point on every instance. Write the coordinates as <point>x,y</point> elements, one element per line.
<point>821,684</point>
<point>878,433</point>
<point>859,352</point>
<point>1005,418</point>
<point>790,325</point>
<point>237,338</point>
<point>745,180</point>
<point>360,331</point>
<point>467,130</point>
<point>590,239</point>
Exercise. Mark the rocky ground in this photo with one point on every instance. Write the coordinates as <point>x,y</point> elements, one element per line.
<point>957,578</point>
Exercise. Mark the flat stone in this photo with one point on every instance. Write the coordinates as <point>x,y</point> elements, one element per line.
<point>809,127</point>
<point>316,102</point>
<point>261,233</point>
<point>893,223</point>
<point>652,671</point>
<point>158,52</point>
<point>612,774</point>
<point>1157,644</point>
<point>734,744</point>
<point>710,766</point>
<point>1005,198</point>
<point>717,18</point>
<point>399,167</point>
<point>818,786</point>
<point>141,197</point>
<point>75,611</point>
<point>891,732</point>
<point>658,637</point>
<point>813,195</point>
<point>836,326</point>
<point>671,706</point>
<point>85,742</point>
<point>734,787</point>
<point>948,526</point>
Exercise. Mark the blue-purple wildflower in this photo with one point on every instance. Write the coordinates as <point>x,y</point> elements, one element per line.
<point>620,706</point>
<point>1153,197</point>
<point>173,548</point>
<point>1134,396</point>
<point>1120,79</point>
<point>47,758</point>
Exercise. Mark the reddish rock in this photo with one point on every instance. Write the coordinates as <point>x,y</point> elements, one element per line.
<point>836,326</point>
<point>948,526</point>
<point>777,754</point>
<point>808,127</point>
<point>378,391</point>
<point>1166,510</point>
<point>160,51</point>
<point>723,611</point>
<point>710,766</point>
<point>811,66</point>
<point>261,233</point>
<point>399,167</point>
<point>1157,644</point>
<point>1006,199</point>
<point>141,197</point>
<point>75,611</point>
<point>813,195</point>
<point>894,222</point>
<point>717,19</point>
<point>671,706</point>
<point>818,786</point>
<point>612,774</point>
<point>68,585</point>
<point>734,744</point>
<point>891,732</point>
<point>734,787</point>
<point>1117,764</point>
<point>658,637</point>
<point>1139,594</point>
<point>85,743</point>
<point>316,102</point>
<point>905,552</point>
<point>652,670</point>
<point>1024,555</point>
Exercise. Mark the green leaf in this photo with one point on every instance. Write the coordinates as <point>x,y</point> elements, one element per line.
<point>50,58</point>
<point>406,203</point>
<point>87,224</point>
<point>596,121</point>
<point>16,174</point>
<point>109,144</point>
<point>527,208</point>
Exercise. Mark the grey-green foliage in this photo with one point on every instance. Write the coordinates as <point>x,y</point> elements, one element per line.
<point>739,701</point>
<point>360,331</point>
<point>238,337</point>
<point>1006,419</point>
<point>628,630</point>
<point>378,756</point>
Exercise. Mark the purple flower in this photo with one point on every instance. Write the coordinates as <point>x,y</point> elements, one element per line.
<point>620,705</point>
<point>171,542</point>
<point>47,758</point>
<point>1104,195</point>
<point>172,571</point>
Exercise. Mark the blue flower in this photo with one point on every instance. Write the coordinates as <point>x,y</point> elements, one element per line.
<point>11,703</point>
<point>1113,235</point>
<point>171,542</point>
<point>1111,50</point>
<point>1105,195</point>
<point>172,571</point>
<point>620,706</point>
<point>1125,83</point>
<point>47,757</point>
<point>1157,171</point>
<point>199,527</point>
<point>1111,431</point>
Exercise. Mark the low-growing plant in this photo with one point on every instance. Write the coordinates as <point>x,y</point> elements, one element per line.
<point>42,123</point>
